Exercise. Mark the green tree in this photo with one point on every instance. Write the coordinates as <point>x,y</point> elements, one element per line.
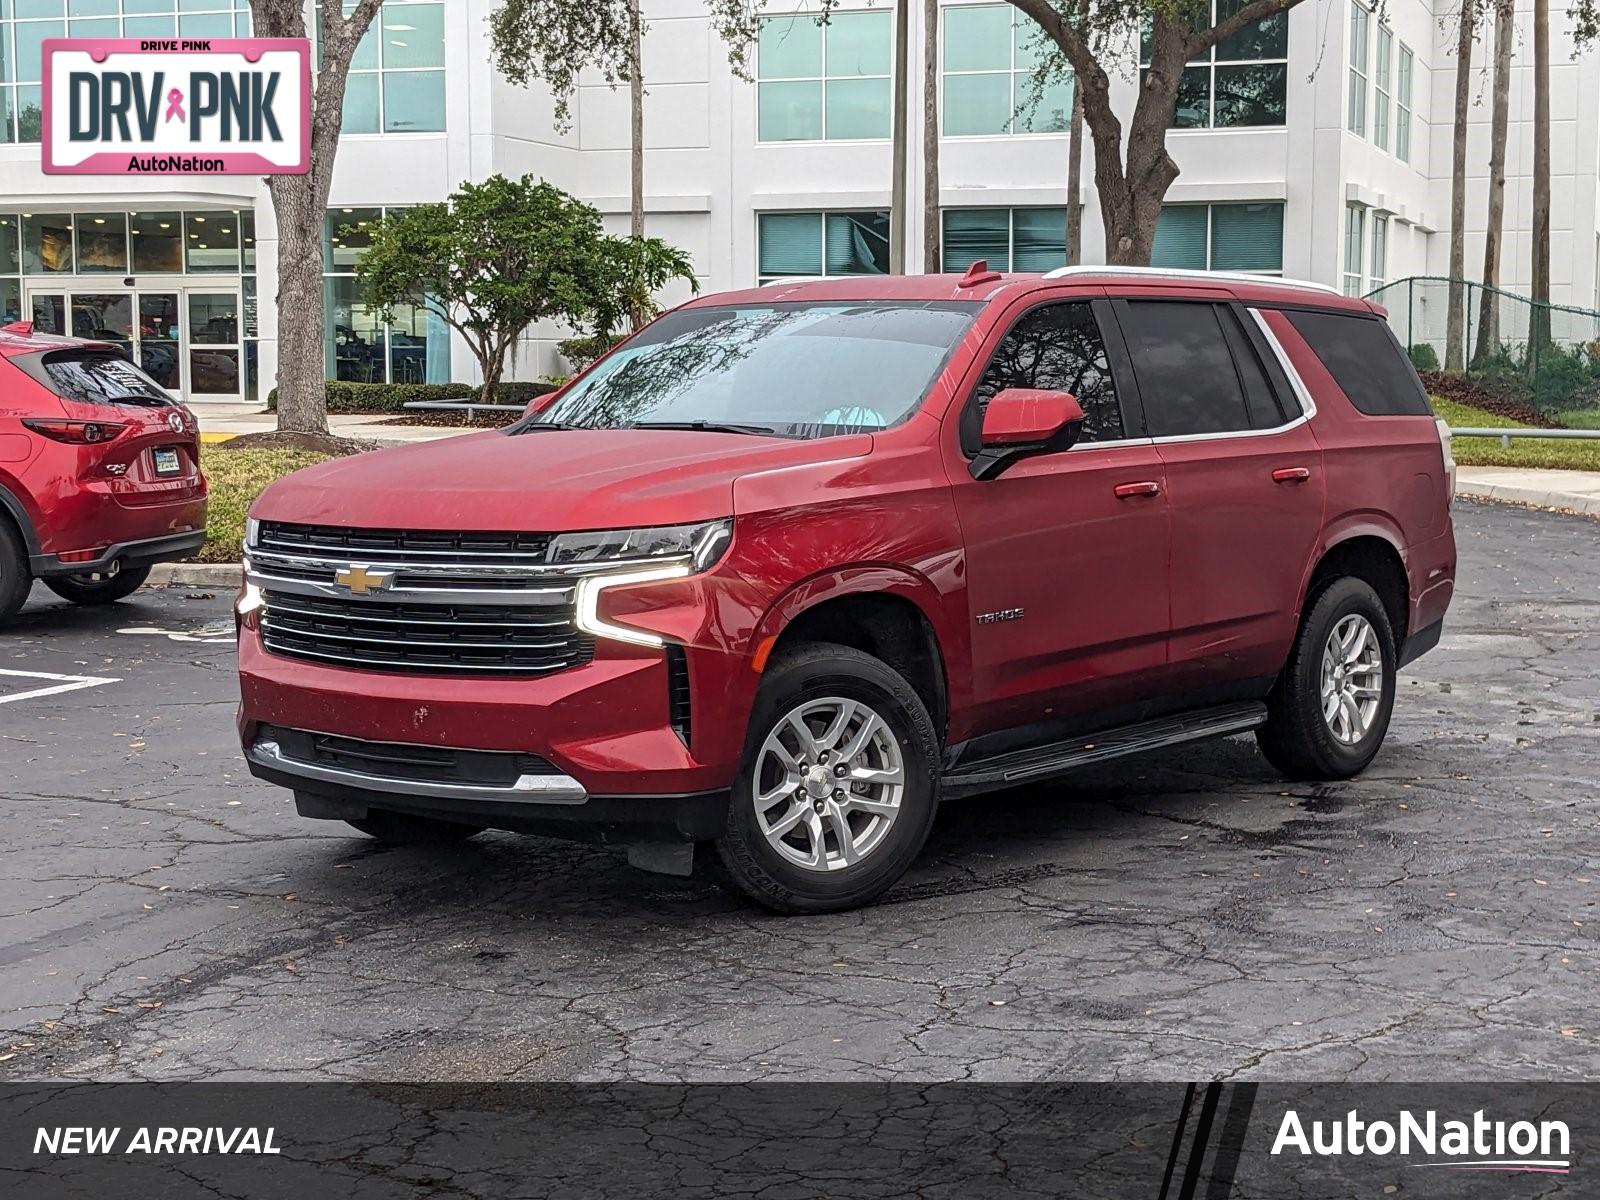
<point>554,40</point>
<point>634,269</point>
<point>299,202</point>
<point>1132,180</point>
<point>490,261</point>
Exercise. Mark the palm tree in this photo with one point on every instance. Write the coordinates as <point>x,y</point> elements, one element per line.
<point>931,232</point>
<point>1455,338</point>
<point>1540,332</point>
<point>1489,312</point>
<point>897,199</point>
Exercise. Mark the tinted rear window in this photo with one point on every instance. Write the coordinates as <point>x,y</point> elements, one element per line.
<point>93,377</point>
<point>1185,369</point>
<point>1365,361</point>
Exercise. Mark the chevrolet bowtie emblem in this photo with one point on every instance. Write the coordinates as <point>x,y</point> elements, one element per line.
<point>361,581</point>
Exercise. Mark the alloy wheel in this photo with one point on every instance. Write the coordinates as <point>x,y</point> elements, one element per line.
<point>1352,678</point>
<point>828,783</point>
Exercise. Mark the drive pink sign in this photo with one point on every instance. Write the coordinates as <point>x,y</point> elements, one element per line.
<point>177,106</point>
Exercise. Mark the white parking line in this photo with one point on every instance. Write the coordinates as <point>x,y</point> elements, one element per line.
<point>59,684</point>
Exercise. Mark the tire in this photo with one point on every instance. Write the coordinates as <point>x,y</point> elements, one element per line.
<point>1298,739</point>
<point>15,579</point>
<point>833,690</point>
<point>405,829</point>
<point>88,591</point>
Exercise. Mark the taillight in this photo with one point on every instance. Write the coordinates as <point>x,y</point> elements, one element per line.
<point>1449,461</point>
<point>77,433</point>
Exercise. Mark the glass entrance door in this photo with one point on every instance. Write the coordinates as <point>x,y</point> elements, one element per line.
<point>214,356</point>
<point>159,331</point>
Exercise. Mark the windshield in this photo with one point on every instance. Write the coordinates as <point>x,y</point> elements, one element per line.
<point>794,370</point>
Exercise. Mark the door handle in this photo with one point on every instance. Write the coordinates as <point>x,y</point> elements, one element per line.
<point>1291,475</point>
<point>1148,488</point>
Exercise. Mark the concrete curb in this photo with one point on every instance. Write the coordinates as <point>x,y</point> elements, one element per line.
<point>1506,493</point>
<point>228,575</point>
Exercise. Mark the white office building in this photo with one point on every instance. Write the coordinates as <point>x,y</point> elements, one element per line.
<point>1316,145</point>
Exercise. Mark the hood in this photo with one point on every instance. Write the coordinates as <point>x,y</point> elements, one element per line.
<point>547,482</point>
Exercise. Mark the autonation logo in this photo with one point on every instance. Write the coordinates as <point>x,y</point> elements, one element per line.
<point>1476,1145</point>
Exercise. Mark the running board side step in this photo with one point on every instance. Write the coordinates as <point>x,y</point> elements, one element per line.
<point>1041,762</point>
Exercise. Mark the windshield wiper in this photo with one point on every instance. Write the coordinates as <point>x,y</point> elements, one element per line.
<point>707,427</point>
<point>541,426</point>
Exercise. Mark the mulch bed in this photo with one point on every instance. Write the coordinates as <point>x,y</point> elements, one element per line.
<point>454,420</point>
<point>321,443</point>
<point>1487,397</point>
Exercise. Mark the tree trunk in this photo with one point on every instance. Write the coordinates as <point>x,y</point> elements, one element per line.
<point>1075,179</point>
<point>932,230</point>
<point>300,204</point>
<point>1489,312</point>
<point>492,363</point>
<point>1455,338</point>
<point>636,117</point>
<point>901,85</point>
<point>1539,333</point>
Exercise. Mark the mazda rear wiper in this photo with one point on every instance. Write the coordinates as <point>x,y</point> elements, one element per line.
<point>707,427</point>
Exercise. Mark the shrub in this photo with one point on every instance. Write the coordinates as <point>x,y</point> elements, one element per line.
<point>581,351</point>
<point>1562,379</point>
<point>361,398</point>
<point>1424,357</point>
<point>519,391</point>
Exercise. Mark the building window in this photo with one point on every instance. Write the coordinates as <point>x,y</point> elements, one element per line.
<point>1402,105</point>
<point>1360,24</point>
<point>819,82</point>
<point>817,243</point>
<point>990,54</point>
<point>1380,251</point>
<point>1009,239</point>
<point>1220,237</point>
<point>360,347</point>
<point>1241,82</point>
<point>25,24</point>
<point>1354,236</point>
<point>10,268</point>
<point>396,82</point>
<point>1380,88</point>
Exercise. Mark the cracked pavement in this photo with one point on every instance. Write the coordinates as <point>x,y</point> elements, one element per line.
<point>1184,915</point>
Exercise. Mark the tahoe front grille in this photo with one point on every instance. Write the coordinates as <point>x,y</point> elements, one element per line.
<point>405,545</point>
<point>424,638</point>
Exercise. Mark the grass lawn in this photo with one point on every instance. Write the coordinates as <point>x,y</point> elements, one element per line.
<point>237,477</point>
<point>1569,455</point>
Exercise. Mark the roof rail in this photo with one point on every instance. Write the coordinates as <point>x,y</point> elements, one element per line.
<point>1224,276</point>
<point>785,279</point>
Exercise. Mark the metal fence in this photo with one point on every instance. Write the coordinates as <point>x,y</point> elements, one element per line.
<point>1549,351</point>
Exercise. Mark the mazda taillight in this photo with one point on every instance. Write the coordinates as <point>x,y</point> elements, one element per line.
<point>77,433</point>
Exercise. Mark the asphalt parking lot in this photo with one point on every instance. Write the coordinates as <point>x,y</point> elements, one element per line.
<point>1190,915</point>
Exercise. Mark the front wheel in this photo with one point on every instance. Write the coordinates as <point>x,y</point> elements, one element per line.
<point>838,786</point>
<point>1330,709</point>
<point>99,587</point>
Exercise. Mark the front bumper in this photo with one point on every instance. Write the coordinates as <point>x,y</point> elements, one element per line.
<point>549,803</point>
<point>138,553</point>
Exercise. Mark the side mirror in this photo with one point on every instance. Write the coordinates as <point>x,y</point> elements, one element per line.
<point>1022,422</point>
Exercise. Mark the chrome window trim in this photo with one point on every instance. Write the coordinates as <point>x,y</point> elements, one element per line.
<point>528,789</point>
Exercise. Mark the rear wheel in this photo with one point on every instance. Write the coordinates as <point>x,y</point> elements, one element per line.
<point>405,829</point>
<point>15,579</point>
<point>1330,710</point>
<point>838,786</point>
<point>100,587</point>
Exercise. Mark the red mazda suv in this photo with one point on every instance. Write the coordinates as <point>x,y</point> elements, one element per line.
<point>99,471</point>
<point>793,564</point>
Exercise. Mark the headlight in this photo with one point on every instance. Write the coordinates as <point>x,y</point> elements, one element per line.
<point>702,544</point>
<point>252,533</point>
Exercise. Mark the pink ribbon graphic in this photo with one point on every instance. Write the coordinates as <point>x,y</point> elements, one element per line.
<point>175,105</point>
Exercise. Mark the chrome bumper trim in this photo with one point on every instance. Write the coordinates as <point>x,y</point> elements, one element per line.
<point>528,789</point>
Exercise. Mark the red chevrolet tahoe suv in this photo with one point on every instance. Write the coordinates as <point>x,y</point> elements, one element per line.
<point>792,564</point>
<point>99,471</point>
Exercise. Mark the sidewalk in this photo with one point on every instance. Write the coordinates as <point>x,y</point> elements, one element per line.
<point>219,422</point>
<point>1574,491</point>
